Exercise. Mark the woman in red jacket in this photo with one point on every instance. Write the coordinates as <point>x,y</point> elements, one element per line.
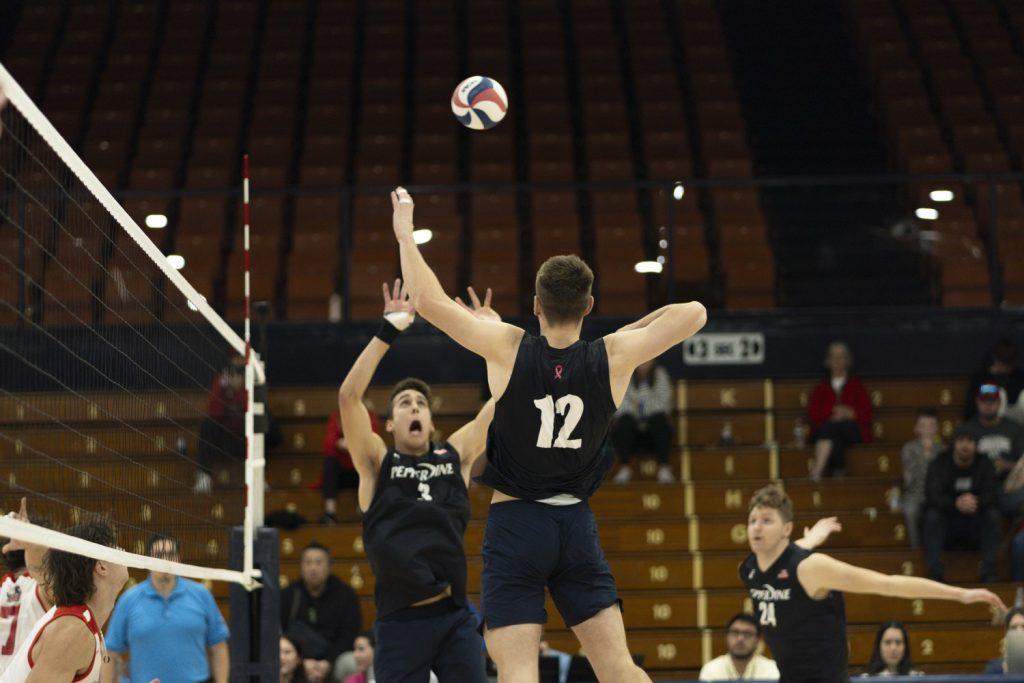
<point>839,411</point>
<point>339,472</point>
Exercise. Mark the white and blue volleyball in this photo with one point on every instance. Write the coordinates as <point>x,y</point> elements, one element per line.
<point>479,102</point>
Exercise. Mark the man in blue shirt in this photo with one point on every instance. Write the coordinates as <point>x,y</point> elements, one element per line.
<point>167,628</point>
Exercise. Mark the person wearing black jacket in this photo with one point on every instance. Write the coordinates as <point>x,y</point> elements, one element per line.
<point>961,509</point>
<point>320,613</point>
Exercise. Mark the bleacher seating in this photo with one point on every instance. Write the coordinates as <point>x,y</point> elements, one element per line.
<point>674,549</point>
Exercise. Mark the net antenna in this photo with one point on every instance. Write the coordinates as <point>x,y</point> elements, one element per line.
<point>98,328</point>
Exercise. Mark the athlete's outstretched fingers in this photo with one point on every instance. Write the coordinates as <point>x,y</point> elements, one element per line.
<point>387,295</point>
<point>487,298</point>
<point>473,297</point>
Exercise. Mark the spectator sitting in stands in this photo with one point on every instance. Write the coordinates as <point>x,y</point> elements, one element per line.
<point>339,472</point>
<point>916,456</point>
<point>891,654</point>
<point>999,438</point>
<point>1000,370</point>
<point>1014,621</point>
<point>960,506</point>
<point>222,432</point>
<point>319,613</point>
<point>839,412</point>
<point>292,670</point>
<point>643,421</point>
<point>742,638</point>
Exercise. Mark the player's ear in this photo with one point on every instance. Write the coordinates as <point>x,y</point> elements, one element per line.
<point>787,529</point>
<point>536,306</point>
<point>590,306</point>
<point>389,426</point>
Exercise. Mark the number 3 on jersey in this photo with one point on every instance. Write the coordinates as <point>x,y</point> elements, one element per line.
<point>548,407</point>
<point>767,613</point>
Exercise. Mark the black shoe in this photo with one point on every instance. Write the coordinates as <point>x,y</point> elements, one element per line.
<point>328,519</point>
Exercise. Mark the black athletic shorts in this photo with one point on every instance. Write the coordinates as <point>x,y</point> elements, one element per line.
<point>529,546</point>
<point>440,637</point>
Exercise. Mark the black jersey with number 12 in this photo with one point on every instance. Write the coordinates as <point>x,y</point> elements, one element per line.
<point>549,428</point>
<point>807,636</point>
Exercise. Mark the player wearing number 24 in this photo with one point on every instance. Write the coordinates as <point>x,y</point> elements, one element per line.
<point>798,594</point>
<point>555,396</point>
<point>415,506</point>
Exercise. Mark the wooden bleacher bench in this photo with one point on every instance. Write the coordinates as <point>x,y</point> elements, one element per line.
<point>674,549</point>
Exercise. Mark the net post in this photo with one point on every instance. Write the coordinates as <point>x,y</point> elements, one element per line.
<point>255,615</point>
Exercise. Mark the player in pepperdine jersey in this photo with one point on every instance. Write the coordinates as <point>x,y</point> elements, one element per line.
<point>23,601</point>
<point>555,397</point>
<point>798,594</point>
<point>415,503</point>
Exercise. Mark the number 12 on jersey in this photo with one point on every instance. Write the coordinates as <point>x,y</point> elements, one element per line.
<point>548,407</point>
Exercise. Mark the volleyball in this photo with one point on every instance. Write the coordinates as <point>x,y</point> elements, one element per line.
<point>479,102</point>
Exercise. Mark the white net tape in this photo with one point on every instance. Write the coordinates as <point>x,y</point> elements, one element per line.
<point>123,394</point>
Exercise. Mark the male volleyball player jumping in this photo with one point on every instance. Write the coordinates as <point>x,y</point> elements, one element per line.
<point>556,395</point>
<point>67,643</point>
<point>415,504</point>
<point>797,594</point>
<point>24,598</point>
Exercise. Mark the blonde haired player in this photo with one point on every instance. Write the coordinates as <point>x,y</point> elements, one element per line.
<point>798,594</point>
<point>23,598</point>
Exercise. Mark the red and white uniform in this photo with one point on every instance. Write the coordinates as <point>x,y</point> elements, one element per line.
<point>21,666</point>
<point>21,607</point>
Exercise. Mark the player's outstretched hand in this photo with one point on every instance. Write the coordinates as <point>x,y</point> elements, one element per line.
<point>972,595</point>
<point>819,533</point>
<point>397,306</point>
<point>483,311</point>
<point>22,516</point>
<point>401,219</point>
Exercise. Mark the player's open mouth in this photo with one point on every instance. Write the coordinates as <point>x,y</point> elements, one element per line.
<point>416,427</point>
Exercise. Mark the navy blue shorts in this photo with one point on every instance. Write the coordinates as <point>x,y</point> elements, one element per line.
<point>441,637</point>
<point>530,545</point>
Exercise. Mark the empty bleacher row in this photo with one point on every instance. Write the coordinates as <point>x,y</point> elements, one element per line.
<point>944,75</point>
<point>165,98</point>
<point>185,88</point>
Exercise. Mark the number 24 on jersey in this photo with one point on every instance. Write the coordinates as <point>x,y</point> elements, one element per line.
<point>571,406</point>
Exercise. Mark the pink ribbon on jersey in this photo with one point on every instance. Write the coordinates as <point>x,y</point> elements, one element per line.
<point>558,372</point>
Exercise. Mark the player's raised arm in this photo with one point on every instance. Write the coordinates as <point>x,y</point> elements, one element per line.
<point>648,338</point>
<point>365,446</point>
<point>34,555</point>
<point>820,573</point>
<point>816,535</point>
<point>495,341</point>
<point>471,439</point>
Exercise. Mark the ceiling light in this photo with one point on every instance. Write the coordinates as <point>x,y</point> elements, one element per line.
<point>647,267</point>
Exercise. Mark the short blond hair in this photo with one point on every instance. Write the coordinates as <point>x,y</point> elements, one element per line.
<point>774,498</point>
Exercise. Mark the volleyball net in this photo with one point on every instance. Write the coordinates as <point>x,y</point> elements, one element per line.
<point>123,395</point>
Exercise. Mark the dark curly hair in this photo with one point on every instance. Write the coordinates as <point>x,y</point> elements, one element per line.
<point>71,576</point>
